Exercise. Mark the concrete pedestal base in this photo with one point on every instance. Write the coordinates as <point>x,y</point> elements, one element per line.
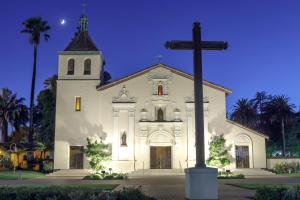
<point>201,183</point>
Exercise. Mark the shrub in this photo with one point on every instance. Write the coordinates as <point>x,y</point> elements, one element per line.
<point>229,175</point>
<point>218,152</point>
<point>47,166</point>
<point>69,193</point>
<point>291,194</point>
<point>277,193</point>
<point>97,154</point>
<point>106,176</point>
<point>281,168</point>
<point>6,162</point>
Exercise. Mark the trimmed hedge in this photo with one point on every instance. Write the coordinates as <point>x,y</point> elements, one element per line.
<point>278,193</point>
<point>106,176</point>
<point>69,193</point>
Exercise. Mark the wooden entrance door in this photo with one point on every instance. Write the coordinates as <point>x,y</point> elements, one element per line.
<point>242,156</point>
<point>160,157</point>
<point>76,157</point>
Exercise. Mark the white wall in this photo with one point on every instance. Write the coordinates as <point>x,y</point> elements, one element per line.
<point>100,117</point>
<point>73,127</point>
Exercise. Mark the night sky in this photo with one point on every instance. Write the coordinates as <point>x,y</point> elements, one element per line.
<point>264,39</point>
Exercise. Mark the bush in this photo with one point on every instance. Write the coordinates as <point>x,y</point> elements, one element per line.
<point>69,193</point>
<point>282,168</point>
<point>292,193</point>
<point>229,175</point>
<point>5,162</point>
<point>47,166</point>
<point>106,176</point>
<point>277,193</point>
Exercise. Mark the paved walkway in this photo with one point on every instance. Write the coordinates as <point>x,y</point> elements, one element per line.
<point>164,187</point>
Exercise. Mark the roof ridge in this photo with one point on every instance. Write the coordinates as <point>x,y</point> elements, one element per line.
<point>173,69</point>
<point>247,128</point>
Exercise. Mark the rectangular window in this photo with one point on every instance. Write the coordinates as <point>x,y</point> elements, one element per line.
<point>77,103</point>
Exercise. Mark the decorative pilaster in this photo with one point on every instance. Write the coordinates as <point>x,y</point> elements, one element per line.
<point>131,135</point>
<point>115,144</point>
<point>190,133</point>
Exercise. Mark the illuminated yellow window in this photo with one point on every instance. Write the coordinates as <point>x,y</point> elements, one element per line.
<point>160,90</point>
<point>77,103</point>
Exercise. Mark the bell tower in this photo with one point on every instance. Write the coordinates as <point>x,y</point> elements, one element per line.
<point>81,59</point>
<point>80,69</point>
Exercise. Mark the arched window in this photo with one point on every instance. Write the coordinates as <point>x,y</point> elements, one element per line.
<point>71,64</point>
<point>160,90</point>
<point>87,67</point>
<point>160,115</point>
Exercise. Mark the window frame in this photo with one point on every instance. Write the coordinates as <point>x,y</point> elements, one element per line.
<point>89,71</point>
<point>71,72</point>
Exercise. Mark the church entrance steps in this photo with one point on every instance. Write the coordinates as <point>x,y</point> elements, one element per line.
<point>254,172</point>
<point>156,172</point>
<point>70,173</point>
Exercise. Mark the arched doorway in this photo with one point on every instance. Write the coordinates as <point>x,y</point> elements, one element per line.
<point>243,151</point>
<point>161,143</point>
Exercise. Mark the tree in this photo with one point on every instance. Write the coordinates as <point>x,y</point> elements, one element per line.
<point>107,77</point>
<point>44,118</point>
<point>244,113</point>
<point>97,154</point>
<point>35,27</point>
<point>12,112</point>
<point>41,147</point>
<point>259,101</point>
<point>218,152</point>
<point>280,111</point>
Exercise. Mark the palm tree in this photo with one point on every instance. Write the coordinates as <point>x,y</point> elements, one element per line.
<point>279,110</point>
<point>35,27</point>
<point>258,102</point>
<point>12,112</point>
<point>42,148</point>
<point>244,113</point>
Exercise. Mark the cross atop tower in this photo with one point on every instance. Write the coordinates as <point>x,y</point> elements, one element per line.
<point>84,4</point>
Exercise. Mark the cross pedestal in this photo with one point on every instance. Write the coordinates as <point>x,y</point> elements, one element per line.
<point>201,181</point>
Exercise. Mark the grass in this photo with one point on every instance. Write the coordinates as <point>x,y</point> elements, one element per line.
<point>257,186</point>
<point>291,174</point>
<point>72,186</point>
<point>10,175</point>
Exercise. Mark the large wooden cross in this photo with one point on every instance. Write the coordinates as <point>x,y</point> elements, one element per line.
<point>197,45</point>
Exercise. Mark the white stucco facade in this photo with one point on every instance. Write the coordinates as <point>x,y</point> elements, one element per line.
<point>130,106</point>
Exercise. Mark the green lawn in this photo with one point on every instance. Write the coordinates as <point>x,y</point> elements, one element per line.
<point>10,175</point>
<point>291,174</point>
<point>68,186</point>
<point>256,186</point>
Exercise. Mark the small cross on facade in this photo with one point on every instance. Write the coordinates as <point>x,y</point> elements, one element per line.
<point>159,58</point>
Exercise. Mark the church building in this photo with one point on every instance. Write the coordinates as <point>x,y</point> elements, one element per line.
<point>147,117</point>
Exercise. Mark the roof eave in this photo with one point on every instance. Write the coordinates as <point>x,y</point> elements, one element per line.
<point>249,129</point>
<point>174,70</point>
